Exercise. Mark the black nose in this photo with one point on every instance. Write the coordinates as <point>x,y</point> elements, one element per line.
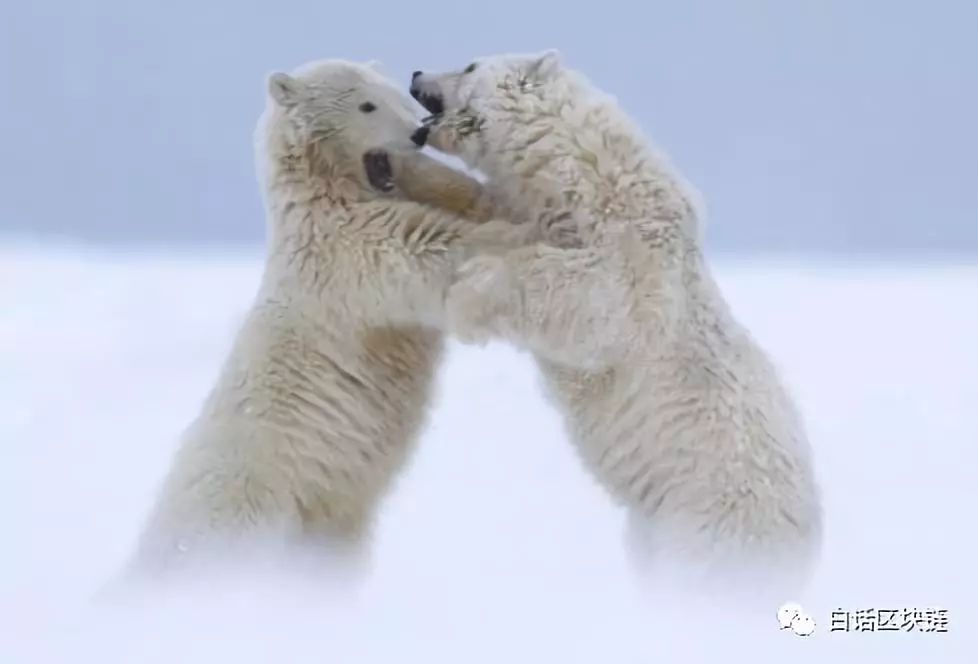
<point>420,136</point>
<point>415,75</point>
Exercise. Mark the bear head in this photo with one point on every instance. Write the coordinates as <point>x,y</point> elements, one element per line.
<point>321,119</point>
<point>476,109</point>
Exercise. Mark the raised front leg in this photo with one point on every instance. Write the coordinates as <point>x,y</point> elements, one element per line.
<point>573,306</point>
<point>428,182</point>
<point>422,179</point>
<point>411,255</point>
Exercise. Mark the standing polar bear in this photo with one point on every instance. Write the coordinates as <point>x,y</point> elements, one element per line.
<point>669,401</point>
<point>328,382</point>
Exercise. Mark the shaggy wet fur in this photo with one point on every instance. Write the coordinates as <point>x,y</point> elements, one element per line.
<point>329,381</point>
<point>669,401</point>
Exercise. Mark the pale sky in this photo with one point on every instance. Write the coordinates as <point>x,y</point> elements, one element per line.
<point>808,126</point>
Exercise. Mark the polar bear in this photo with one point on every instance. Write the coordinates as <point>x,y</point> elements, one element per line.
<point>669,401</point>
<point>328,382</point>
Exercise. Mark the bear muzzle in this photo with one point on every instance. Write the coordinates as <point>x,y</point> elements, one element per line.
<point>420,136</point>
<point>433,102</point>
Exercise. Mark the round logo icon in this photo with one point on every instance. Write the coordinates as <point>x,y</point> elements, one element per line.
<point>792,616</point>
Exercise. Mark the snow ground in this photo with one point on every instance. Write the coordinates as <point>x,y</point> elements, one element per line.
<point>496,546</point>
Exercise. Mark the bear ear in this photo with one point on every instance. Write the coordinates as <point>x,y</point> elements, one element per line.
<point>548,64</point>
<point>376,65</point>
<point>284,89</point>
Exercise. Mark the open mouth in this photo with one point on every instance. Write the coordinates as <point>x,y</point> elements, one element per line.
<point>377,165</point>
<point>432,103</point>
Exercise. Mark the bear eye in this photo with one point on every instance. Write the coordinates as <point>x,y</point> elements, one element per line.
<point>469,69</point>
<point>367,107</point>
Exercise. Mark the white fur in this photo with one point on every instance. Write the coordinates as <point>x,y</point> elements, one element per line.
<point>328,383</point>
<point>669,401</point>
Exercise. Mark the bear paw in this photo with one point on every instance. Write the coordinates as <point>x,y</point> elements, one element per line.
<point>475,302</point>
